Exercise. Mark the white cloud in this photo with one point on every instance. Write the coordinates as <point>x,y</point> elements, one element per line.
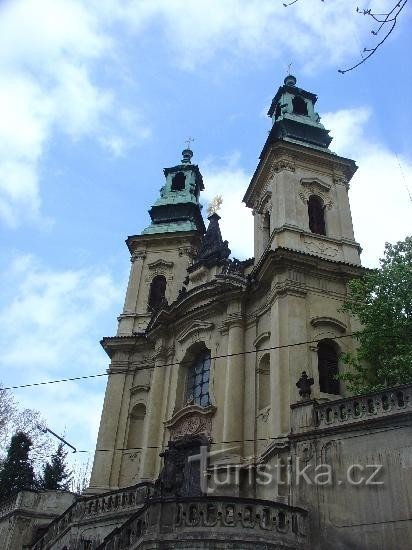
<point>50,326</point>
<point>53,317</point>
<point>49,54</point>
<point>312,33</point>
<point>381,208</point>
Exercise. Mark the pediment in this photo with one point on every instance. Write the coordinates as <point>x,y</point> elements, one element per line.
<point>316,183</point>
<point>195,328</point>
<point>261,338</point>
<point>329,322</point>
<point>160,264</point>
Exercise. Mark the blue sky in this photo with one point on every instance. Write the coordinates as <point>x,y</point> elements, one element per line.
<point>98,96</point>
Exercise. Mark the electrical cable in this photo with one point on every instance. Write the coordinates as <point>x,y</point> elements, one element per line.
<point>132,370</point>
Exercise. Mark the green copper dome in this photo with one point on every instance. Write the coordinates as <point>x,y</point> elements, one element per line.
<point>178,207</point>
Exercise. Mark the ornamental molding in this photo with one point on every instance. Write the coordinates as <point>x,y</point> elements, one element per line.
<point>282,165</point>
<point>264,204</point>
<point>341,179</point>
<point>263,336</point>
<point>194,331</point>
<point>330,322</point>
<point>191,420</point>
<point>163,353</point>
<point>140,388</point>
<point>320,247</point>
<point>315,186</point>
<point>160,264</point>
<point>316,182</point>
<point>232,320</point>
<point>138,255</point>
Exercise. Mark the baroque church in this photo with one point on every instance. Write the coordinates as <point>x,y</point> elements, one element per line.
<point>224,425</point>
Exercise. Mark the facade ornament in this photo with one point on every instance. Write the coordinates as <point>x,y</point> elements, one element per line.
<point>315,186</point>
<point>215,205</point>
<point>195,328</point>
<point>319,247</point>
<point>191,420</point>
<point>138,255</point>
<point>341,179</point>
<point>282,165</point>
<point>304,384</point>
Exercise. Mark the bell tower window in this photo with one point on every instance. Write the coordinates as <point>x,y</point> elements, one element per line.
<point>328,367</point>
<point>316,212</point>
<point>198,375</point>
<point>178,182</point>
<point>157,292</point>
<point>299,106</point>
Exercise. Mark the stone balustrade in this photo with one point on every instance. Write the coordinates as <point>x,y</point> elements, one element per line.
<point>371,406</point>
<point>267,524</point>
<point>95,506</point>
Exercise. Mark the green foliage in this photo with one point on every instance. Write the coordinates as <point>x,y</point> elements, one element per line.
<point>55,473</point>
<point>17,471</point>
<point>382,300</point>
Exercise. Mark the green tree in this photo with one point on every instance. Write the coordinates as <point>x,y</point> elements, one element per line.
<point>17,470</point>
<point>55,473</point>
<point>382,300</point>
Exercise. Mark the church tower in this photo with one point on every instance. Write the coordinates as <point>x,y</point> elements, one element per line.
<point>160,257</point>
<point>211,348</point>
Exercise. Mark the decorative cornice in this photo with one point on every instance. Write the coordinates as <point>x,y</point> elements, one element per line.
<point>160,264</point>
<point>315,186</point>
<point>195,328</point>
<point>281,165</point>
<point>139,388</point>
<point>329,321</point>
<point>309,182</point>
<point>232,320</point>
<point>261,338</point>
<point>138,255</point>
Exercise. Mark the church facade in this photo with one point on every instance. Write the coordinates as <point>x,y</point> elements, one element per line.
<point>222,382</point>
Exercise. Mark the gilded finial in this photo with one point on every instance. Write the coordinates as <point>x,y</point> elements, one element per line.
<point>215,205</point>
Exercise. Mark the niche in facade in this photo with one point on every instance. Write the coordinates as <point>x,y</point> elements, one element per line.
<point>136,423</point>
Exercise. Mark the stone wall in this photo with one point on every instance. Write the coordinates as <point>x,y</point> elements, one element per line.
<point>367,443</point>
<point>23,517</point>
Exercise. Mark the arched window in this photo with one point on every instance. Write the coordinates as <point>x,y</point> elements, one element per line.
<point>264,382</point>
<point>278,111</point>
<point>328,367</point>
<point>198,374</point>
<point>178,182</point>
<point>266,229</point>
<point>299,106</point>
<point>157,292</point>
<point>316,213</point>
<point>136,422</point>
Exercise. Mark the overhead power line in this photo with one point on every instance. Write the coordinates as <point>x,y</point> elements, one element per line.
<point>128,371</point>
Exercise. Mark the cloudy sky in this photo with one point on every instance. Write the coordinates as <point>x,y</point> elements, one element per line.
<point>98,96</point>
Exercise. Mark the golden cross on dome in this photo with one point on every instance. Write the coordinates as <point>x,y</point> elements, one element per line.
<point>215,205</point>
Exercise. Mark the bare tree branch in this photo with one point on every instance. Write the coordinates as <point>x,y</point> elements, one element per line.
<point>387,23</point>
